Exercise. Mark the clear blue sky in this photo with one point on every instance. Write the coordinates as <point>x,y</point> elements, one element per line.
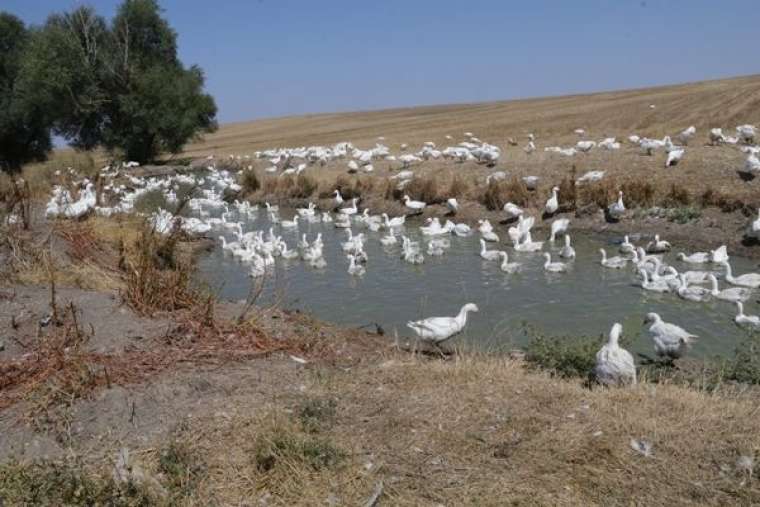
<point>281,57</point>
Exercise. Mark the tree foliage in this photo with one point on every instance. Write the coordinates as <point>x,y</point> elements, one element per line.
<point>24,131</point>
<point>119,86</point>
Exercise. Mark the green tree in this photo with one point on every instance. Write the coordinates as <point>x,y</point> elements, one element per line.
<point>24,129</point>
<point>121,87</point>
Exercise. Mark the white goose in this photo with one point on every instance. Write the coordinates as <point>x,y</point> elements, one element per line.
<point>350,210</point>
<point>626,247</point>
<point>751,280</point>
<point>338,199</point>
<point>393,222</point>
<point>614,365</point>
<point>613,262</point>
<point>553,267</point>
<point>559,226</point>
<point>696,294</point>
<point>753,230</point>
<point>506,266</point>
<point>452,204</point>
<point>719,255</point>
<point>326,218</point>
<point>658,245</point>
<point>417,206</point>
<point>732,294</point>
<point>670,341</point>
<point>746,321</point>
<point>489,255</point>
<point>527,244</point>
<point>695,258</point>
<point>512,210</point>
<point>290,224</point>
<point>486,231</point>
<point>552,204</point>
<point>674,157</point>
<point>617,208</point>
<point>389,239</point>
<point>354,268</point>
<point>653,285</point>
<point>436,330</point>
<point>567,251</point>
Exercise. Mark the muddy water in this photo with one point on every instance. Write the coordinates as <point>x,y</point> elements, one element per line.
<point>584,301</point>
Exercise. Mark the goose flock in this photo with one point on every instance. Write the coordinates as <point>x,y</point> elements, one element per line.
<point>260,250</point>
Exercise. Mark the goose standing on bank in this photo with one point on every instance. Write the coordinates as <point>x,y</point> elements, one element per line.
<point>453,205</point>
<point>512,210</point>
<point>559,226</point>
<point>552,204</point>
<point>416,206</point>
<point>614,364</point>
<point>567,251</point>
<point>751,280</point>
<point>436,330</point>
<point>617,208</point>
<point>670,341</point>
<point>753,231</point>
<point>732,294</point>
<point>746,321</point>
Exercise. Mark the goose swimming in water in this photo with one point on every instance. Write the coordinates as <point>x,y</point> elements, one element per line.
<point>290,224</point>
<point>350,210</point>
<point>613,262</point>
<point>389,239</point>
<point>393,222</point>
<point>696,294</point>
<point>658,245</point>
<point>626,247</point>
<point>436,330</point>
<point>567,251</point>
<point>695,258</point>
<point>670,341</point>
<point>751,280</point>
<point>354,268</point>
<point>553,267</point>
<point>732,294</point>
<point>506,266</point>
<point>719,255</point>
<point>614,364</point>
<point>746,321</point>
<point>653,285</point>
<point>489,255</point>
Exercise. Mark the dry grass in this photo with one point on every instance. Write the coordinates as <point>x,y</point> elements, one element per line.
<point>499,192</point>
<point>473,431</point>
<point>638,193</point>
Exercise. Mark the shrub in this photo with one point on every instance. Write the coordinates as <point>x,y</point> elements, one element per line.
<point>181,468</point>
<point>684,214</point>
<point>745,365</point>
<point>249,181</point>
<point>600,193</point>
<point>713,198</point>
<point>458,187</point>
<point>283,445</point>
<point>676,196</point>
<point>567,193</point>
<point>423,189</point>
<point>563,356</point>
<point>638,193</point>
<point>498,193</point>
<point>316,413</point>
<point>303,186</point>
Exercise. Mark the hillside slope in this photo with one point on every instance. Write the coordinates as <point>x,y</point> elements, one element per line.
<point>726,103</point>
